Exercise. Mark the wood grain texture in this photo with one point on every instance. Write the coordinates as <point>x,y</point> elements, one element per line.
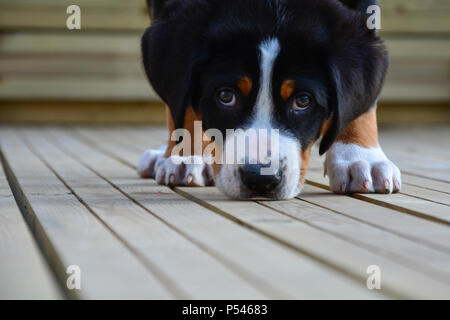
<point>340,253</point>
<point>190,270</point>
<point>410,204</point>
<point>24,274</point>
<point>415,16</point>
<point>194,240</point>
<point>96,15</point>
<point>417,241</point>
<point>398,16</point>
<point>71,235</point>
<point>281,274</point>
<point>87,112</point>
<point>411,227</point>
<point>407,252</point>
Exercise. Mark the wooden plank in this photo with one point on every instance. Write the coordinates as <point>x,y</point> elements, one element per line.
<point>379,240</point>
<point>71,43</point>
<point>429,142</point>
<point>429,195</point>
<point>398,16</point>
<point>340,253</point>
<point>422,150</point>
<point>71,235</point>
<point>424,183</point>
<point>131,89</point>
<point>413,114</point>
<point>86,112</point>
<point>104,142</point>
<point>415,16</point>
<point>191,270</point>
<point>422,166</point>
<point>429,233</point>
<point>137,139</point>
<point>95,15</point>
<point>24,274</point>
<point>419,70</point>
<point>289,232</point>
<point>407,82</point>
<point>99,4</point>
<point>277,270</point>
<point>13,19</point>
<point>60,67</point>
<point>417,47</point>
<point>401,202</point>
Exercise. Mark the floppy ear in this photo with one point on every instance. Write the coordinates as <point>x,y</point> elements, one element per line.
<point>358,67</point>
<point>173,48</point>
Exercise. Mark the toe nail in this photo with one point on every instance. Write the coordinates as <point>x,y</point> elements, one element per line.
<point>366,184</point>
<point>386,186</point>
<point>396,186</point>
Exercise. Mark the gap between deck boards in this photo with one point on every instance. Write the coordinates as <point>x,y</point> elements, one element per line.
<point>214,209</point>
<point>100,147</point>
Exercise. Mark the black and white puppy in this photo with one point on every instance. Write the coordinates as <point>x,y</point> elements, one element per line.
<point>311,69</point>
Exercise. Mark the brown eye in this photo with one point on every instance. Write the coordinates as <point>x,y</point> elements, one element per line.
<point>302,102</point>
<point>227,97</point>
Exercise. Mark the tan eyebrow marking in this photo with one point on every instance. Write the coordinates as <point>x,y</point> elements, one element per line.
<point>245,85</point>
<point>287,89</point>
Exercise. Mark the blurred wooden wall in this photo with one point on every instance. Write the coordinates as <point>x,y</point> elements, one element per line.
<point>51,74</point>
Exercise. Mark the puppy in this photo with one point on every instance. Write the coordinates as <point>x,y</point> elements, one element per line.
<point>309,70</point>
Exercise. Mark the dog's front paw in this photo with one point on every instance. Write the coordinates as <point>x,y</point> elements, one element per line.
<point>354,169</point>
<point>147,166</point>
<point>190,171</point>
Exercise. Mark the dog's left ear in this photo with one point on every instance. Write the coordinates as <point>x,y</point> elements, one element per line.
<point>358,68</point>
<point>173,50</point>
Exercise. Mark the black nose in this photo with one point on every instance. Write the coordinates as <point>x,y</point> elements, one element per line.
<point>255,181</point>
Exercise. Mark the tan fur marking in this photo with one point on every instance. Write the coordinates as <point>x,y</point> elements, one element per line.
<point>326,126</point>
<point>363,131</point>
<point>189,119</point>
<point>305,156</point>
<point>171,126</point>
<point>245,85</point>
<point>287,89</point>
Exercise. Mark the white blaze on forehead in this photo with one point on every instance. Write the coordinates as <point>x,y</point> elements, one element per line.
<point>287,149</point>
<point>264,103</point>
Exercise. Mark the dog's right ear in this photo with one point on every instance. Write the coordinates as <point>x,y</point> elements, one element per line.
<point>173,49</point>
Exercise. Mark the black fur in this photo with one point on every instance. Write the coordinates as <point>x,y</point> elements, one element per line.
<point>360,5</point>
<point>195,47</point>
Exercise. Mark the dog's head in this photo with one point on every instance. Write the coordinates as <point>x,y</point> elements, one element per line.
<point>306,68</point>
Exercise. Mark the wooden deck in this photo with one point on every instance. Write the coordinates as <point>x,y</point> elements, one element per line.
<point>77,201</point>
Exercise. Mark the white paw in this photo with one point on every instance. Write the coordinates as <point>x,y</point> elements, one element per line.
<point>147,165</point>
<point>353,169</point>
<point>190,171</point>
